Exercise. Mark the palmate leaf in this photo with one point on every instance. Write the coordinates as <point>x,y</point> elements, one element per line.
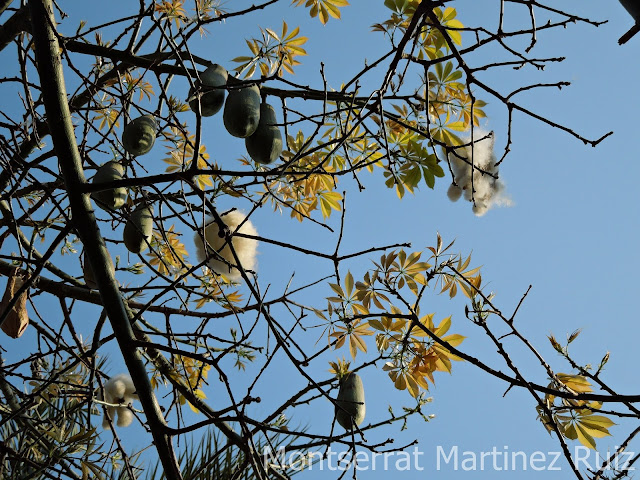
<point>329,201</point>
<point>432,356</point>
<point>448,19</point>
<point>585,427</point>
<point>413,368</point>
<point>139,84</point>
<point>347,296</point>
<point>576,419</point>
<point>172,11</point>
<point>575,383</point>
<point>596,425</point>
<point>215,288</point>
<point>340,368</point>
<point>417,164</point>
<point>167,252</point>
<point>209,9</point>
<point>368,293</point>
<point>466,109</point>
<point>353,331</point>
<point>272,53</point>
<point>108,117</point>
<point>450,282</point>
<point>323,9</point>
<point>410,270</point>
<point>405,381</point>
<point>181,152</point>
<point>305,194</point>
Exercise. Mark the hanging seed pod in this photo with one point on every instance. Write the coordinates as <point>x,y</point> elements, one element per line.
<point>138,229</point>
<point>139,135</point>
<point>112,198</point>
<point>265,145</point>
<point>210,102</point>
<point>350,406</point>
<point>242,110</point>
<point>17,319</point>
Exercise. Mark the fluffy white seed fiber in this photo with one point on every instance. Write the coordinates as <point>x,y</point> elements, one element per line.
<point>119,389</point>
<point>245,248</point>
<point>454,193</point>
<point>125,417</point>
<point>485,190</point>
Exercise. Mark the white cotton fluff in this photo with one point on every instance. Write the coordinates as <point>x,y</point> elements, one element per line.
<point>119,389</point>
<point>485,191</point>
<point>112,415</point>
<point>245,248</point>
<point>454,193</point>
<point>125,417</point>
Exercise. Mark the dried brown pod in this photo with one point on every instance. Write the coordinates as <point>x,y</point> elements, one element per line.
<point>17,319</point>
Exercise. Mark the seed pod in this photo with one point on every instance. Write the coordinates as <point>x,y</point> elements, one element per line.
<point>210,102</point>
<point>112,198</point>
<point>89,277</point>
<point>265,145</point>
<point>138,229</point>
<point>17,318</point>
<point>139,135</point>
<point>350,406</point>
<point>242,110</point>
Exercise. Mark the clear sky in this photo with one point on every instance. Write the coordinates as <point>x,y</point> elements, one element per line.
<point>571,233</point>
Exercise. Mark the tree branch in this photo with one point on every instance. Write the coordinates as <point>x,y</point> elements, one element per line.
<point>63,136</point>
<point>630,34</point>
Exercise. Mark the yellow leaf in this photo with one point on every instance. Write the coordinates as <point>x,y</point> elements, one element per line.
<point>576,383</point>
<point>348,283</point>
<point>454,340</point>
<point>444,326</point>
<point>596,425</point>
<point>584,438</point>
<point>597,421</point>
<point>412,386</point>
<point>457,126</point>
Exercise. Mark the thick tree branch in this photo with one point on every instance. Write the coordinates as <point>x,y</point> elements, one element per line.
<point>18,22</point>
<point>630,34</point>
<point>63,136</point>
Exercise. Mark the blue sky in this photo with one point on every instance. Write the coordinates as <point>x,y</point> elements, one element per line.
<point>572,232</point>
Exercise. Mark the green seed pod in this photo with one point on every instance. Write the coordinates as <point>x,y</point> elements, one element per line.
<point>89,277</point>
<point>350,407</point>
<point>112,198</point>
<point>242,110</point>
<point>265,145</point>
<point>210,102</point>
<point>138,229</point>
<point>139,135</point>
